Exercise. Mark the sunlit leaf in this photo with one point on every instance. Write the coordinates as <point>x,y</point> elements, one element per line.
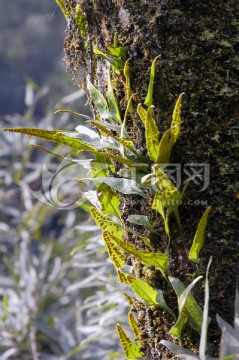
<point>105,223</point>
<point>131,350</point>
<point>150,296</point>
<point>127,79</point>
<point>124,186</point>
<point>180,352</point>
<point>134,326</point>
<point>127,143</point>
<point>149,98</point>
<point>151,135</point>
<point>142,113</point>
<point>164,149</point>
<point>140,220</point>
<point>158,260</point>
<point>112,102</point>
<point>99,167</point>
<point>62,6</point>
<point>198,240</point>
<point>176,119</point>
<point>98,99</point>
<point>203,339</point>
<point>109,200</point>
<point>56,136</point>
<point>117,158</point>
<point>187,303</point>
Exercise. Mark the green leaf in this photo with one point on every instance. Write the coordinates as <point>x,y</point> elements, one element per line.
<point>158,260</point>
<point>198,240</point>
<point>142,113</point>
<point>116,62</point>
<point>151,135</point>
<point>127,80</point>
<point>62,6</point>
<point>150,296</point>
<point>99,167</point>
<point>118,51</point>
<point>186,302</point>
<point>176,119</point>
<point>127,143</point>
<point>109,200</point>
<point>57,136</point>
<point>134,326</point>
<point>117,158</point>
<point>112,102</point>
<point>164,149</point>
<point>203,339</point>
<point>149,98</point>
<point>124,186</point>
<point>180,352</point>
<point>131,350</point>
<point>140,220</point>
<point>144,291</point>
<point>98,99</point>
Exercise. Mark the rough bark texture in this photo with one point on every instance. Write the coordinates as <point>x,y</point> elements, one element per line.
<point>198,44</point>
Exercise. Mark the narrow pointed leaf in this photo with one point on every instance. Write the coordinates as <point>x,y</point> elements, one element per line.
<point>203,338</point>
<point>109,200</point>
<point>198,240</point>
<point>127,80</point>
<point>112,102</point>
<point>149,98</point>
<point>57,136</point>
<point>98,99</point>
<point>140,220</point>
<point>62,6</point>
<point>164,149</point>
<point>179,351</point>
<point>176,119</point>
<point>127,143</point>
<point>142,113</point>
<point>131,350</point>
<point>151,135</point>
<point>158,260</point>
<point>134,326</point>
<point>187,302</point>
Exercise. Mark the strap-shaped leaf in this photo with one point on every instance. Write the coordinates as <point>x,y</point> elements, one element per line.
<point>105,223</point>
<point>127,143</point>
<point>142,113</point>
<point>164,149</point>
<point>131,350</point>
<point>109,200</point>
<point>198,240</point>
<point>187,303</point>
<point>62,6</point>
<point>127,80</point>
<point>168,190</point>
<point>98,99</point>
<point>57,136</point>
<point>176,119</point>
<point>158,260</point>
<point>150,296</point>
<point>117,158</point>
<point>151,135</point>
<point>112,102</point>
<point>149,98</point>
<point>134,326</point>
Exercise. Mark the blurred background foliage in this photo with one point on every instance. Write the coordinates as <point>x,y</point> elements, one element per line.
<point>52,305</point>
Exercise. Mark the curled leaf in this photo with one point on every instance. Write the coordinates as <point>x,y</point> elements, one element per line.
<point>149,98</point>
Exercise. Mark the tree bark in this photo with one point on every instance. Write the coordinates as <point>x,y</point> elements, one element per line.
<point>198,44</point>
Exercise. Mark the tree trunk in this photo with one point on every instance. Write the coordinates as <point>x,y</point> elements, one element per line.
<point>198,45</point>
